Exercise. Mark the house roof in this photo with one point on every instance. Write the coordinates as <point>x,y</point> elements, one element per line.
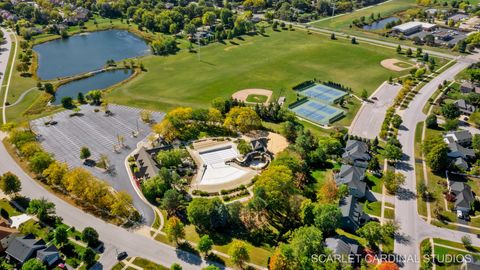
<point>352,176</point>
<point>43,254</point>
<point>461,163</point>
<point>350,207</point>
<point>468,85</point>
<point>259,144</point>
<point>356,150</point>
<point>462,104</point>
<point>460,151</point>
<point>460,135</point>
<point>148,166</point>
<point>22,247</point>
<point>465,198</point>
<point>341,245</point>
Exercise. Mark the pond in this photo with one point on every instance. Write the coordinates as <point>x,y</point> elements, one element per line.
<point>98,81</point>
<point>379,24</point>
<point>86,52</point>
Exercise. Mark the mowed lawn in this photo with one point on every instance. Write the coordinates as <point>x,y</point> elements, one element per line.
<point>342,23</point>
<point>277,61</point>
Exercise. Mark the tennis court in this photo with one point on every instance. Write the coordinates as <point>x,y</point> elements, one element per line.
<point>317,112</point>
<point>323,93</point>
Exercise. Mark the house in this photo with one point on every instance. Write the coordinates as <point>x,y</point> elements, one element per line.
<point>468,87</point>
<point>464,107</point>
<point>458,17</point>
<point>463,196</point>
<point>7,234</point>
<point>463,137</point>
<point>353,216</point>
<point>343,246</point>
<point>353,177</point>
<point>461,164</point>
<point>49,255</point>
<point>356,153</point>
<point>147,166</point>
<point>22,248</point>
<point>80,14</point>
<point>457,150</point>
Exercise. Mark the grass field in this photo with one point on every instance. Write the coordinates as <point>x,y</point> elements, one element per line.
<point>342,23</point>
<point>256,98</point>
<point>277,61</point>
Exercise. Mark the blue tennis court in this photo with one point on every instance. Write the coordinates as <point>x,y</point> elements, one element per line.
<point>323,93</point>
<point>317,112</point>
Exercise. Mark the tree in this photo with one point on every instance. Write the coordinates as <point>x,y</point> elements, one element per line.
<point>304,243</point>
<point>238,253</point>
<point>450,111</point>
<point>372,232</point>
<point>40,161</point>
<point>476,142</point>
<point>55,172</point>
<point>94,96</point>
<point>431,121</point>
<point>172,201</point>
<point>90,236</point>
<point>10,184</point>
<point>373,164</point>
<point>205,244</point>
<point>451,124</point>
<point>84,152</point>
<point>67,102</point>
<point>88,257</point>
<point>209,18</point>
<point>243,119</point>
<point>332,36</point>
<point>174,229</point>
<point>328,192</point>
<point>61,235</point>
<point>475,119</point>
<point>466,241</point>
<point>437,158</point>
<point>364,94</point>
<point>80,98</point>
<point>327,217</point>
<point>207,214</point>
<point>34,264</point>
<point>399,49</point>
<point>49,88</point>
<point>175,266</point>
<point>354,40</point>
<point>393,181</point>
<point>393,152</point>
<point>164,46</point>
<point>409,52</point>
<point>41,208</point>
<point>396,121</point>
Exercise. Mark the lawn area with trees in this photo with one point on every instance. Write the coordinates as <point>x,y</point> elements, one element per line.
<point>289,57</point>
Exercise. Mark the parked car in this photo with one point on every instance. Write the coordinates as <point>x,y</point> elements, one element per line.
<point>459,214</point>
<point>122,255</point>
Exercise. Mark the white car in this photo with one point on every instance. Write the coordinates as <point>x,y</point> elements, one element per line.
<point>459,214</point>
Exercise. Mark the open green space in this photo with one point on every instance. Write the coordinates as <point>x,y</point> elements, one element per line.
<point>342,23</point>
<point>148,265</point>
<point>277,61</point>
<point>373,208</point>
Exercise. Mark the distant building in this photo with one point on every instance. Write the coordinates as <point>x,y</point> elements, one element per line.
<point>356,153</point>
<point>413,27</point>
<point>345,247</point>
<point>147,166</point>
<point>469,87</point>
<point>22,248</point>
<point>458,17</point>
<point>353,177</point>
<point>353,216</point>
<point>464,107</point>
<point>49,255</point>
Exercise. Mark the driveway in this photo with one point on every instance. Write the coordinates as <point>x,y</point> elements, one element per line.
<point>369,119</point>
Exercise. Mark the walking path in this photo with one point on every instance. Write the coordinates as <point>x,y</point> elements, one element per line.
<point>20,98</point>
<point>3,67</point>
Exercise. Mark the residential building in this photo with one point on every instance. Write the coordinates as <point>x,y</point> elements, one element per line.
<point>458,17</point>
<point>49,255</point>
<point>463,196</point>
<point>458,151</point>
<point>345,247</point>
<point>356,153</point>
<point>463,137</point>
<point>7,234</point>
<point>464,107</point>
<point>22,248</point>
<point>353,216</point>
<point>469,87</point>
<point>353,177</point>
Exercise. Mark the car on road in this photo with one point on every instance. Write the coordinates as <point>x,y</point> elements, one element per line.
<point>122,255</point>
<point>459,214</point>
<point>374,98</point>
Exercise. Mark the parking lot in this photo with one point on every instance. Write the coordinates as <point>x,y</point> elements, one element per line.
<point>114,135</point>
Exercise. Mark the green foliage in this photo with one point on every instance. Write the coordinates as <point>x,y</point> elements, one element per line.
<point>33,264</point>
<point>238,253</point>
<point>451,124</point>
<point>450,111</point>
<point>393,181</point>
<point>327,217</point>
<point>41,208</point>
<point>244,147</point>
<point>205,244</point>
<point>40,161</point>
<point>431,121</point>
<point>393,152</point>
<point>84,152</point>
<point>164,46</point>
<point>171,158</point>
<point>174,229</point>
<point>437,158</point>
<point>90,236</point>
<point>88,257</point>
<point>61,235</point>
<point>207,214</point>
<point>10,184</point>
<point>172,201</point>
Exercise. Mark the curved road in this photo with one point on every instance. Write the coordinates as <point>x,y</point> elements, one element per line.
<point>413,229</point>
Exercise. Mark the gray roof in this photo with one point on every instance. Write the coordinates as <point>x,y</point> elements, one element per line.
<point>352,176</point>
<point>43,254</point>
<point>22,248</point>
<point>356,150</point>
<point>463,105</point>
<point>350,207</point>
<point>460,151</point>
<point>259,144</point>
<point>463,194</point>
<point>341,245</point>
<point>461,163</point>
<point>148,166</point>
<point>461,135</point>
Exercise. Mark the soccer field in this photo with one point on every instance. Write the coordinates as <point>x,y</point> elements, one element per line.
<point>277,61</point>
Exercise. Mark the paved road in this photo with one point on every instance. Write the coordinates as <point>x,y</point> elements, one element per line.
<point>372,113</point>
<point>413,228</point>
<point>115,238</point>
<point>4,54</point>
<point>365,39</point>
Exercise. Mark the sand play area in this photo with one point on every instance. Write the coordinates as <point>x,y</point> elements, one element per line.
<point>253,95</point>
<point>396,65</point>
